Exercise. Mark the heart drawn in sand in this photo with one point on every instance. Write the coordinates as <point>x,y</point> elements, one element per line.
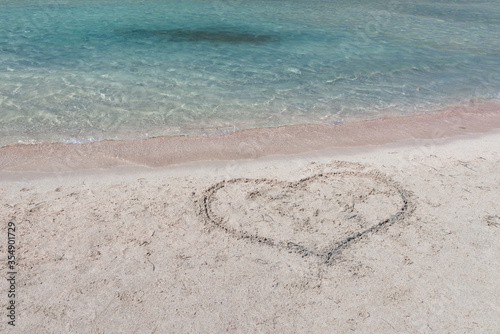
<point>319,215</point>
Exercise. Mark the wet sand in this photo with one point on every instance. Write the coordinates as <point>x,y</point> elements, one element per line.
<point>249,144</point>
<point>305,229</point>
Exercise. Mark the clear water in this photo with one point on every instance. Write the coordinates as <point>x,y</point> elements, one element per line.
<point>76,70</point>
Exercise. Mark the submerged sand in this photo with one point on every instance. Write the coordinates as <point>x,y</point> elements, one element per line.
<point>401,237</point>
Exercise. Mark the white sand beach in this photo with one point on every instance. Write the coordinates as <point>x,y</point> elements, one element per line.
<point>394,237</point>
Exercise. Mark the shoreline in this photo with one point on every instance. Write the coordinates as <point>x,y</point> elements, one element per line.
<point>249,143</point>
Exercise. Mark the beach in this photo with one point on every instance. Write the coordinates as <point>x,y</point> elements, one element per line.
<point>344,229</point>
<point>249,166</point>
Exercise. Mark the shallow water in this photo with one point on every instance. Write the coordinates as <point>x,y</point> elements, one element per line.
<point>84,70</point>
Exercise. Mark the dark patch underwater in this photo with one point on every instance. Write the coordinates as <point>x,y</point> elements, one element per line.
<point>201,35</point>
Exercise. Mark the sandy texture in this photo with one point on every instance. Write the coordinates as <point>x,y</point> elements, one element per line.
<point>401,238</point>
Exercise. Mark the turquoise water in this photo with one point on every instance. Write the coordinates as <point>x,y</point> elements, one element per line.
<point>80,70</point>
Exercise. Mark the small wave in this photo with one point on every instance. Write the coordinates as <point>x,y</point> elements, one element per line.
<point>334,123</point>
<point>27,141</point>
<point>78,140</point>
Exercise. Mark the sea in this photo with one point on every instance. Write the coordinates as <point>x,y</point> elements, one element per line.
<point>77,71</point>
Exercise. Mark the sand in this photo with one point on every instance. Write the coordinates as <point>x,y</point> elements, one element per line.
<point>395,237</point>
